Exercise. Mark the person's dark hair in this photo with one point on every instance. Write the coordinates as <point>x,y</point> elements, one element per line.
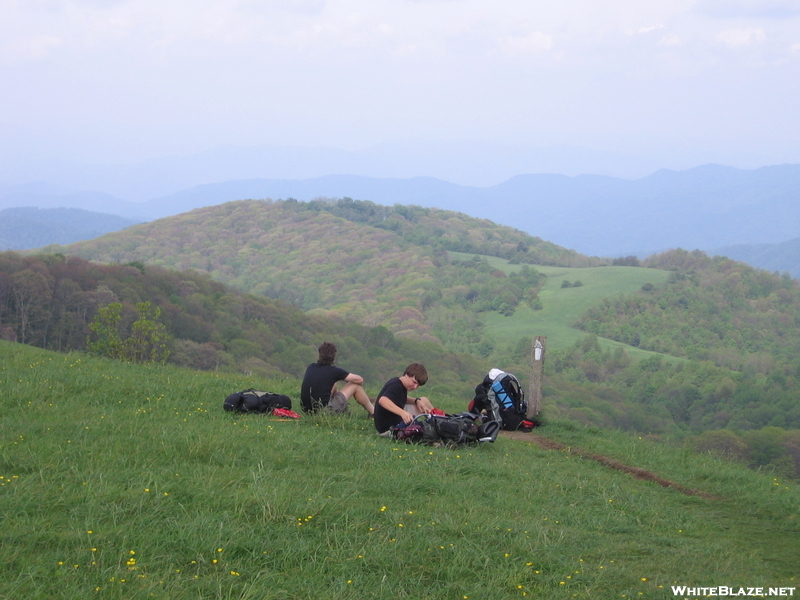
<point>327,353</point>
<point>418,372</point>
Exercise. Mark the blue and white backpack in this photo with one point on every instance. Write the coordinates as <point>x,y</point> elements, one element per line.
<point>500,396</point>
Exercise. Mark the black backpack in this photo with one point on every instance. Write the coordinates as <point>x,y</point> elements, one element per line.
<point>502,399</point>
<point>463,429</point>
<point>253,401</point>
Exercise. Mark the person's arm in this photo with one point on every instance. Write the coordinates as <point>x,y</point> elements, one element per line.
<point>353,378</point>
<point>386,403</point>
<point>423,405</point>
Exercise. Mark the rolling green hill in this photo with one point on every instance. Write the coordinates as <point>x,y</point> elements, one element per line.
<point>436,277</point>
<point>357,260</point>
<point>123,481</point>
<point>562,307</point>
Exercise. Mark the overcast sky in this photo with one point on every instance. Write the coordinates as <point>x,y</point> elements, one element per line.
<point>126,80</point>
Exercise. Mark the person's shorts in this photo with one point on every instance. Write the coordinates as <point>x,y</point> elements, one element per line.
<point>338,403</point>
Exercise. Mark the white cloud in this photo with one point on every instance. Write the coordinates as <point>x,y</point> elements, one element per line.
<point>296,6</point>
<point>741,37</point>
<point>650,28</point>
<point>28,48</point>
<point>669,40</point>
<point>532,43</point>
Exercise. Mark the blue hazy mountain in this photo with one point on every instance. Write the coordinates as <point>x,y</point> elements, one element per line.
<point>707,208</point>
<point>45,195</point>
<point>28,228</point>
<point>466,162</point>
<point>703,208</point>
<point>783,257</point>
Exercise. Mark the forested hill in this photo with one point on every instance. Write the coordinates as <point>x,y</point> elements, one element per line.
<point>50,301</point>
<point>736,329</point>
<point>710,308</point>
<point>373,264</point>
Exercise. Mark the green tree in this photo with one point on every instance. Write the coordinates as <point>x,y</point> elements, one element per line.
<point>106,325</point>
<point>147,342</point>
<point>149,337</point>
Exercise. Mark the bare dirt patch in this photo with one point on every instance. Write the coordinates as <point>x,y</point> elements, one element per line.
<point>636,472</point>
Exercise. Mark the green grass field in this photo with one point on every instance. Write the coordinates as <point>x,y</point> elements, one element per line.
<point>562,307</point>
<point>125,482</point>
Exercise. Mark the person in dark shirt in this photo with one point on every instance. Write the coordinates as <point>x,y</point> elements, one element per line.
<point>394,405</point>
<point>320,387</point>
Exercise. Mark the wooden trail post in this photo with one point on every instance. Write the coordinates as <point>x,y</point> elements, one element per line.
<point>537,376</point>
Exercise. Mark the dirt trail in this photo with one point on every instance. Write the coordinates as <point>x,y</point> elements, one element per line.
<point>636,472</point>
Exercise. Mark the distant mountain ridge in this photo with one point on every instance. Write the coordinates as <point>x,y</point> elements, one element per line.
<point>43,195</point>
<point>782,257</point>
<point>467,162</point>
<point>705,208</point>
<point>28,228</point>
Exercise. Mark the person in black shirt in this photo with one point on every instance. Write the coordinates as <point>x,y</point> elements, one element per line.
<point>394,406</point>
<point>320,387</point>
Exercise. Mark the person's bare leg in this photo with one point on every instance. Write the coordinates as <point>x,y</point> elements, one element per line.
<point>422,407</point>
<point>353,390</point>
<point>411,409</point>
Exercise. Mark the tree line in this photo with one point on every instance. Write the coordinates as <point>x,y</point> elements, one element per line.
<point>65,303</point>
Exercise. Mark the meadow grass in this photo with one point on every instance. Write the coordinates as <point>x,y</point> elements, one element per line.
<point>125,481</point>
<point>562,307</point>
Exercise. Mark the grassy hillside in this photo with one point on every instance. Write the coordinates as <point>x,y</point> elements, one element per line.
<point>124,481</point>
<point>562,307</point>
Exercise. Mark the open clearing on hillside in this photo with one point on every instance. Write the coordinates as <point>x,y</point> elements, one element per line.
<point>562,307</point>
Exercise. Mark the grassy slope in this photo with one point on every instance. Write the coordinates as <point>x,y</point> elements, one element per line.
<point>563,306</point>
<point>122,481</point>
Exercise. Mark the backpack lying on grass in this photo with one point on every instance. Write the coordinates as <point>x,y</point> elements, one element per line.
<point>252,401</point>
<point>500,397</point>
<point>463,429</point>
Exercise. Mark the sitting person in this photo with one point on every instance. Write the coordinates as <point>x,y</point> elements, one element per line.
<point>394,406</point>
<point>320,387</point>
